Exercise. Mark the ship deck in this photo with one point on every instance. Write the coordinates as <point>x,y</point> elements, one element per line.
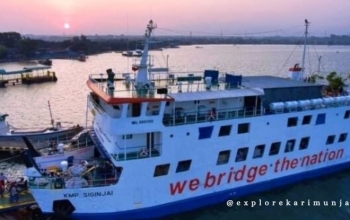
<point>180,86</point>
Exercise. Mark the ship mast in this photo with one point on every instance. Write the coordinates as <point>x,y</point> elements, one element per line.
<point>142,79</point>
<point>304,52</point>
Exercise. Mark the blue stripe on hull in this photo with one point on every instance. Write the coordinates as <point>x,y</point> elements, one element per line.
<point>213,198</point>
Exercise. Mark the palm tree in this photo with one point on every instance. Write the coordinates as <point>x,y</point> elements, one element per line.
<point>336,83</point>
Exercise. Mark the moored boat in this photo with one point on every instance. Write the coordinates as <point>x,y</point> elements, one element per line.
<point>46,62</point>
<point>11,137</point>
<point>198,139</point>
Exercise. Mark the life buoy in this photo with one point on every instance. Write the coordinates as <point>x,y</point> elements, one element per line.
<point>144,152</point>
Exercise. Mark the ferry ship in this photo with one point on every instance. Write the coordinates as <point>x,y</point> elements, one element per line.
<point>164,147</point>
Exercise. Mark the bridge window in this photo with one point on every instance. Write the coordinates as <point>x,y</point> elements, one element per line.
<point>225,130</point>
<point>289,146</point>
<point>304,143</point>
<point>242,154</point>
<point>275,148</point>
<point>224,157</point>
<point>183,166</point>
<point>259,151</point>
<point>330,139</point>
<point>292,122</point>
<point>243,128</point>
<point>153,108</point>
<point>161,170</point>
<point>342,137</point>
<point>306,120</point>
<point>116,107</point>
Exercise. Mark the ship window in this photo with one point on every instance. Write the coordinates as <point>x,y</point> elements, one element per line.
<point>306,120</point>
<point>275,148</point>
<point>205,132</point>
<point>292,122</point>
<point>347,114</point>
<point>289,146</point>
<point>161,170</point>
<point>116,107</point>
<point>128,136</point>
<point>342,137</point>
<point>304,143</point>
<point>183,166</point>
<point>259,151</point>
<point>225,130</point>
<point>242,154</point>
<point>243,128</point>
<point>224,157</point>
<point>321,119</point>
<point>330,139</point>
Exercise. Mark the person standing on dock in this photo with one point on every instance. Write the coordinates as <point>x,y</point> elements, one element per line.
<point>13,193</point>
<point>2,189</point>
<point>2,178</point>
<point>2,184</point>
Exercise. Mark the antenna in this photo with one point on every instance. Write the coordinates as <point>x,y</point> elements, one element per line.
<point>304,52</point>
<point>141,78</point>
<point>52,121</point>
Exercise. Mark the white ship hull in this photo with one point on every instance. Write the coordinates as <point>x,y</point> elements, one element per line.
<point>210,183</point>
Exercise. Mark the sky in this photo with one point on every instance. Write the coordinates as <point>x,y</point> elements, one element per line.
<point>176,17</point>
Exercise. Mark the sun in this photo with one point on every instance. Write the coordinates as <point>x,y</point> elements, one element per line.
<point>66,26</point>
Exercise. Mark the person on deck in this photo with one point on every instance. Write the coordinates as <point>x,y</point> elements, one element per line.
<point>60,148</point>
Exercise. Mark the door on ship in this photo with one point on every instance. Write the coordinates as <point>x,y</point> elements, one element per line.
<point>150,140</point>
<point>136,109</point>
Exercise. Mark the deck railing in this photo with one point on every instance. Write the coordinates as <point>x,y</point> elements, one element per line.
<point>95,104</point>
<point>96,173</point>
<point>70,145</point>
<point>173,82</point>
<point>218,115</point>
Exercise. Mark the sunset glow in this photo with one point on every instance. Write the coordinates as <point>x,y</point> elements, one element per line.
<point>228,17</point>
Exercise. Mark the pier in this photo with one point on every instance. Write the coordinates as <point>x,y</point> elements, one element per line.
<point>28,75</point>
<point>12,210</point>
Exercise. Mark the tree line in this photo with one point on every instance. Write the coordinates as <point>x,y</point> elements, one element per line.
<point>14,44</point>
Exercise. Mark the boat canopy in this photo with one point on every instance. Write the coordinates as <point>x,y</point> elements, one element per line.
<point>25,70</point>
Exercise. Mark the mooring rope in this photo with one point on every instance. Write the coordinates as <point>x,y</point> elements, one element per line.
<point>10,158</point>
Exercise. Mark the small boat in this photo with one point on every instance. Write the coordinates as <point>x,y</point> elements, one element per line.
<point>11,136</point>
<point>137,53</point>
<point>127,53</point>
<point>82,58</point>
<point>46,62</point>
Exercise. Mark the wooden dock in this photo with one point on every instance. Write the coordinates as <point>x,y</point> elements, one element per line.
<point>9,210</point>
<point>28,75</point>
